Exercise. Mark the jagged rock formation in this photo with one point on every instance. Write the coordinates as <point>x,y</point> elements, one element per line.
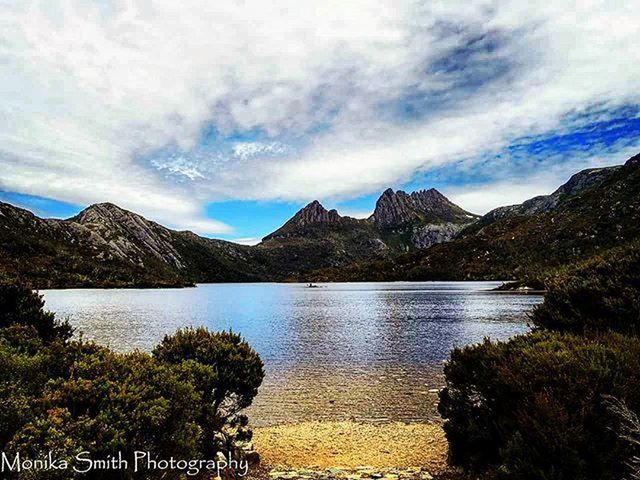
<point>399,209</point>
<point>423,218</point>
<point>595,210</point>
<point>313,214</point>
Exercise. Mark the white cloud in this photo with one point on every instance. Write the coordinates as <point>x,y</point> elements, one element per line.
<point>353,213</point>
<point>245,150</point>
<point>481,199</point>
<point>246,240</point>
<point>88,91</point>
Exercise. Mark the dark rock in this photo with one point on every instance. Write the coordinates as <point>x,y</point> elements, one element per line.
<point>398,209</point>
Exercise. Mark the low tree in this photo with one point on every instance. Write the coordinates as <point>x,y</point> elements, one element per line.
<point>226,372</point>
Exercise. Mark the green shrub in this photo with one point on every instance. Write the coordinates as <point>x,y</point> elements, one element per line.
<point>225,371</point>
<point>21,307</point>
<point>67,396</point>
<point>533,408</point>
<point>600,294</point>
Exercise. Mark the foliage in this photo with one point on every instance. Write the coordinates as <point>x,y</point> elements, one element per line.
<point>539,406</point>
<point>532,407</point>
<point>599,294</point>
<point>22,307</point>
<point>225,371</point>
<point>67,396</point>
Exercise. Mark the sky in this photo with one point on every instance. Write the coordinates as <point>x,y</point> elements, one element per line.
<point>226,117</point>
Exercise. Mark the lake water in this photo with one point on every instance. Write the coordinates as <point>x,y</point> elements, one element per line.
<point>364,351</point>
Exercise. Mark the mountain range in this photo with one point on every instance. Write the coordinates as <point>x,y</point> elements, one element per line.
<point>107,246</point>
<point>595,210</point>
<point>409,236</point>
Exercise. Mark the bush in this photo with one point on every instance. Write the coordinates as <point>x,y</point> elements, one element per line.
<point>600,294</point>
<point>20,307</point>
<point>69,396</point>
<point>533,407</point>
<point>225,371</point>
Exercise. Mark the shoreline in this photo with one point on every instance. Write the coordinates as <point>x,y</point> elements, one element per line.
<point>341,449</point>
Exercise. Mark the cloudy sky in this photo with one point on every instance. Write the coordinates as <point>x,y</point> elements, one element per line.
<point>225,117</point>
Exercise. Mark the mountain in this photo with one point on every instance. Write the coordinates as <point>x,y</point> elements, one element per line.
<point>582,180</point>
<point>108,246</point>
<point>595,210</point>
<point>319,238</point>
<point>419,219</point>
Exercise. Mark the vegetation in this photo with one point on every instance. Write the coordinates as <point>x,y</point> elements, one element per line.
<point>66,396</point>
<point>522,247</point>
<point>538,406</point>
<point>600,294</point>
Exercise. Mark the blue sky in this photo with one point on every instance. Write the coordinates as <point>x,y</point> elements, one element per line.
<point>227,118</point>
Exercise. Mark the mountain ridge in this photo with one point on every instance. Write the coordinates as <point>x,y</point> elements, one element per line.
<point>410,236</point>
<point>106,245</point>
<point>596,209</point>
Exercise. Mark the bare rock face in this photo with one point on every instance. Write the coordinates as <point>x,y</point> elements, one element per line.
<point>426,235</point>
<point>130,235</point>
<point>312,214</point>
<point>399,209</point>
<point>315,213</point>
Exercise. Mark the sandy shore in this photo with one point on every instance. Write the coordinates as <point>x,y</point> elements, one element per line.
<point>324,445</point>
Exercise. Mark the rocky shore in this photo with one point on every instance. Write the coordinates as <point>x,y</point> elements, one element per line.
<point>351,450</point>
<point>364,472</point>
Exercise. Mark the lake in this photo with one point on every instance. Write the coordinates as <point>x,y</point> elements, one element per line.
<point>365,351</point>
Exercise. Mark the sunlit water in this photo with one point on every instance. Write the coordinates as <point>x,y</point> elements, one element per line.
<point>366,351</point>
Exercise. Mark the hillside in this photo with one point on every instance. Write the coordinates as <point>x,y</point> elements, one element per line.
<point>595,210</point>
<point>107,246</point>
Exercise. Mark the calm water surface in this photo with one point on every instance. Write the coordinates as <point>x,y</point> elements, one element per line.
<point>368,351</point>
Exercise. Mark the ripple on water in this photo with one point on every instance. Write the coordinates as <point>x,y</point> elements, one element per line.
<point>367,351</point>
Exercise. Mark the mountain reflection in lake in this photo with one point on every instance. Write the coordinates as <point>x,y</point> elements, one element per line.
<point>369,351</point>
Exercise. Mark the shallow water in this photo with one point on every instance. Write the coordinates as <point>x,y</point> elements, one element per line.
<point>368,351</point>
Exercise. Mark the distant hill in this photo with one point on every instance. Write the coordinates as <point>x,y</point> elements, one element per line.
<point>595,210</point>
<point>107,246</point>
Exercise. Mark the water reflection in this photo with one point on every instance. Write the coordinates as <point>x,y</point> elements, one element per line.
<point>369,351</point>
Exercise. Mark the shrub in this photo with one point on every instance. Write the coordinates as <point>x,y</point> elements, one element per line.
<point>225,371</point>
<point>67,396</point>
<point>533,408</point>
<point>20,307</point>
<point>600,294</point>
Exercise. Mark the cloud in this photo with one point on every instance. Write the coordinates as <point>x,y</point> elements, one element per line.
<point>245,150</point>
<point>246,240</point>
<point>315,99</point>
<point>353,213</point>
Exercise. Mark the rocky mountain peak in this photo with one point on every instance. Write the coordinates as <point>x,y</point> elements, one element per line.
<point>398,209</point>
<point>313,213</point>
